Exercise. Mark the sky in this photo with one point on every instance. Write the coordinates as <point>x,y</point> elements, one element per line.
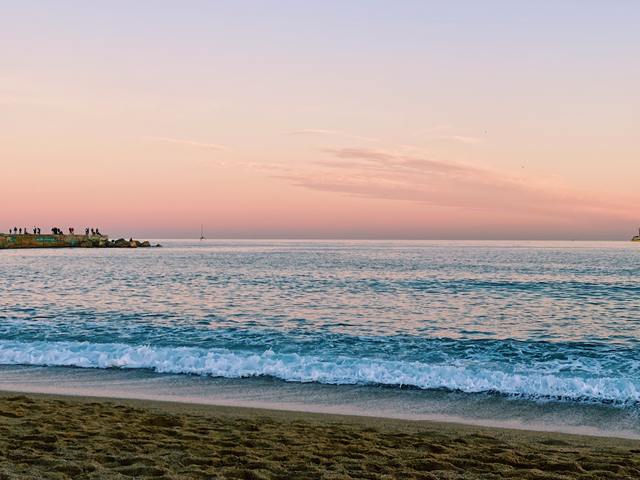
<point>322,119</point>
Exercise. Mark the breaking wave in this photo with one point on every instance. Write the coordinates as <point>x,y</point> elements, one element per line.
<point>471,376</point>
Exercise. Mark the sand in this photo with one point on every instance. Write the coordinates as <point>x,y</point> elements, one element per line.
<point>57,437</point>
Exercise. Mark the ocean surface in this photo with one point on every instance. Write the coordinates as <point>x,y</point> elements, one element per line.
<point>542,334</point>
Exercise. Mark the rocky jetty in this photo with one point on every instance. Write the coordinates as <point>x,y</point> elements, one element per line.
<point>28,240</point>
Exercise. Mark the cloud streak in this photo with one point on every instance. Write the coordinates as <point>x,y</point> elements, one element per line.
<point>190,143</point>
<point>446,133</point>
<point>332,133</point>
<point>458,139</point>
<point>264,167</point>
<point>382,174</point>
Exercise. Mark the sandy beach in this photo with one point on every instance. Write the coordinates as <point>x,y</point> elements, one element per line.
<point>61,437</point>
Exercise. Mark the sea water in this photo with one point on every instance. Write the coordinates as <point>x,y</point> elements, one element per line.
<point>509,329</point>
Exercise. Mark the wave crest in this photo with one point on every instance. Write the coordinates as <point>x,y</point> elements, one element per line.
<point>293,367</point>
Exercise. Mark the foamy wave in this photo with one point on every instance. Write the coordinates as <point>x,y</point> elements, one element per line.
<point>470,378</point>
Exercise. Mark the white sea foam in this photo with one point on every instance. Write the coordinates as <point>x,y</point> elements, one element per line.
<point>473,377</point>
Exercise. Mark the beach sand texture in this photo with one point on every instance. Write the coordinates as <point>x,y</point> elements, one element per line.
<point>54,437</point>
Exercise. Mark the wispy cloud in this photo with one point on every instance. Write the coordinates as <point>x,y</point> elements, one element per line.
<point>458,138</point>
<point>447,133</point>
<point>333,133</point>
<point>383,174</point>
<point>236,163</point>
<point>265,167</point>
<point>190,143</point>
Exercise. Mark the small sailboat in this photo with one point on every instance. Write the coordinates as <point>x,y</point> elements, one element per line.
<point>637,237</point>
<point>201,232</point>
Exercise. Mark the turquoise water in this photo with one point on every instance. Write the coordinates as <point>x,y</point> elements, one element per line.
<point>532,321</point>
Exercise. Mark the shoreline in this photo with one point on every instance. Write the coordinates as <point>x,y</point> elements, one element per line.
<point>349,400</point>
<point>179,407</point>
<point>81,437</point>
<point>294,409</point>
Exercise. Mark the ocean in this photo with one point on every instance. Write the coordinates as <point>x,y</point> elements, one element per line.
<point>542,335</point>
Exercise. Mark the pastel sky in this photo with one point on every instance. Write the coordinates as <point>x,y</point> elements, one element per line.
<point>322,119</point>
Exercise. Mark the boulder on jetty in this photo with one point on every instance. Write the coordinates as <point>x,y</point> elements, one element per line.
<point>131,243</point>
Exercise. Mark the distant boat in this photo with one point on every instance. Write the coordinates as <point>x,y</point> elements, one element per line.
<point>637,237</point>
<point>201,232</point>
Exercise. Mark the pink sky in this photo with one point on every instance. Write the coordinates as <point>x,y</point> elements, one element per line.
<point>366,121</point>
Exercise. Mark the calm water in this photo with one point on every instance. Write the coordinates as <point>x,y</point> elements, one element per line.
<point>538,321</point>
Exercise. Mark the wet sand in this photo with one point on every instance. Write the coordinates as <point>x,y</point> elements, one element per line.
<point>59,437</point>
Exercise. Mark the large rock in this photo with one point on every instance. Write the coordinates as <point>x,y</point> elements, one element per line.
<point>121,243</point>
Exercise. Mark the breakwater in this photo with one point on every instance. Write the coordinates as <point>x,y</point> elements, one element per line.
<point>67,241</point>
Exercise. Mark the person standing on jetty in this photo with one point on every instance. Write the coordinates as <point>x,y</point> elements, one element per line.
<point>54,231</point>
<point>24,231</point>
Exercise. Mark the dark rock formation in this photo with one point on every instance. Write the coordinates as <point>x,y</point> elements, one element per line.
<point>131,243</point>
